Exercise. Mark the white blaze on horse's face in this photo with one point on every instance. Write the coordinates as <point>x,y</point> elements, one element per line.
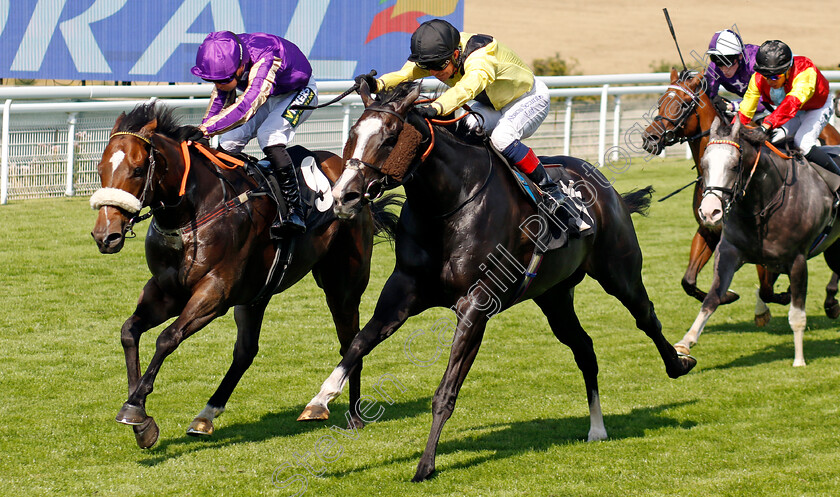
<point>720,165</point>
<point>367,134</point>
<point>116,159</point>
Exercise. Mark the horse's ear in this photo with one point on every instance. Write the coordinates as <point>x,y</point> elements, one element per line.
<point>736,128</point>
<point>714,129</point>
<point>149,129</point>
<point>364,92</point>
<point>696,80</point>
<point>408,101</point>
<point>117,124</point>
<point>674,75</point>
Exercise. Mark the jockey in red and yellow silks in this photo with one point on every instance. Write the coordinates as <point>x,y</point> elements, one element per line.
<point>800,94</point>
<point>805,89</point>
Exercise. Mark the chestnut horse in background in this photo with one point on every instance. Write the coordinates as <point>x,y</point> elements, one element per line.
<point>685,114</point>
<point>208,249</point>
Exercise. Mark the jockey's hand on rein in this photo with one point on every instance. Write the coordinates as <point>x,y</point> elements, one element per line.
<point>367,78</point>
<point>426,111</point>
<point>191,133</point>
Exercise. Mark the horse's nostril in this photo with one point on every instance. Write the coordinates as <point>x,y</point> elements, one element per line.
<point>111,239</point>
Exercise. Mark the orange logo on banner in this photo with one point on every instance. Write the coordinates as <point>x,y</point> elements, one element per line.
<point>402,17</point>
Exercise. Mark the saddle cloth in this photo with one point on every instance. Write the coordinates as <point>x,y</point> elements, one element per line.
<point>547,230</point>
<point>315,187</point>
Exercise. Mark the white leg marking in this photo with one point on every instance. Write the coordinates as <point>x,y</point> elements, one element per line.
<point>597,431</point>
<point>760,306</point>
<point>210,413</point>
<point>117,159</point>
<point>331,388</point>
<point>797,320</point>
<point>690,338</point>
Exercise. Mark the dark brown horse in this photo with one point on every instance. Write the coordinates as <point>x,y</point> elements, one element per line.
<point>209,250</point>
<point>685,114</point>
<point>460,245</point>
<point>775,210</point>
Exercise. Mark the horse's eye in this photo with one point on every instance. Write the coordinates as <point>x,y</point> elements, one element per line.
<point>390,141</point>
<point>138,171</point>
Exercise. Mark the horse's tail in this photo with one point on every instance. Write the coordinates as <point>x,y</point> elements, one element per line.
<point>385,221</point>
<point>638,200</point>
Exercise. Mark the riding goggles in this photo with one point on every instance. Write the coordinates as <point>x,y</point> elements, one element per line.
<point>221,81</point>
<point>724,60</point>
<point>435,65</point>
<point>774,77</point>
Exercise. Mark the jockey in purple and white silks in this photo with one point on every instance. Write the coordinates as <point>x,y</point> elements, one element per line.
<point>272,74</point>
<point>731,66</point>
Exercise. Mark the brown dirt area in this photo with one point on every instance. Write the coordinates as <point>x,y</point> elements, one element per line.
<point>626,36</point>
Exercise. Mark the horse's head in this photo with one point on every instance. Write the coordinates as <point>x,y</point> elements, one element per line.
<point>379,150</point>
<point>128,175</point>
<point>677,106</point>
<point>721,172</point>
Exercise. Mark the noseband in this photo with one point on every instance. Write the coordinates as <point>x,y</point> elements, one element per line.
<point>669,136</point>
<point>147,185</point>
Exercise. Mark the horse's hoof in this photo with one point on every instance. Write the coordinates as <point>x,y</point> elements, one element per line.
<point>147,433</point>
<point>423,473</point>
<point>833,311</point>
<point>729,297</point>
<point>682,350</point>
<point>688,362</point>
<point>131,415</point>
<point>763,318</point>
<point>314,413</point>
<point>200,427</point>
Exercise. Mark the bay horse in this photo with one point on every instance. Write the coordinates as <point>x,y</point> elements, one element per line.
<point>775,211</point>
<point>685,114</point>
<point>460,245</point>
<point>209,249</point>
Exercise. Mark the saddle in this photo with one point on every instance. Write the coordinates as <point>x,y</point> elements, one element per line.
<point>315,188</point>
<point>547,231</point>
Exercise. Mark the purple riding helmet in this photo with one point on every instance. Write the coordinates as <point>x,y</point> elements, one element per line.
<point>218,57</point>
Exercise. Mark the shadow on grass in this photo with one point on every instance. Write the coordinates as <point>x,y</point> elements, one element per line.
<point>813,349</point>
<point>510,439</point>
<point>272,425</point>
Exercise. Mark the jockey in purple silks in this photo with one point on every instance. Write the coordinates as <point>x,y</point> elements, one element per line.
<point>732,65</point>
<point>272,74</point>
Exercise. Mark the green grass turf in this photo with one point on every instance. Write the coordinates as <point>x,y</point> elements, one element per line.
<point>744,422</point>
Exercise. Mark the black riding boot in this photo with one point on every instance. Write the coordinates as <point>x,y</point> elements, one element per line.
<point>554,198</point>
<point>287,176</point>
<point>822,159</point>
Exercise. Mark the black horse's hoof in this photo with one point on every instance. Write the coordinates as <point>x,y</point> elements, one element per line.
<point>423,473</point>
<point>355,423</point>
<point>832,311</point>
<point>729,297</point>
<point>146,433</point>
<point>131,415</point>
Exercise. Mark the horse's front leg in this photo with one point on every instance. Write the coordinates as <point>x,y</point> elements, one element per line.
<point>153,308</point>
<point>398,301</point>
<point>472,321</point>
<point>201,308</point>
<point>831,306</point>
<point>796,313</point>
<point>727,261</point>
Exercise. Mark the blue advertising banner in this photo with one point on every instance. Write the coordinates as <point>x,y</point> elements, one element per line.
<point>156,40</point>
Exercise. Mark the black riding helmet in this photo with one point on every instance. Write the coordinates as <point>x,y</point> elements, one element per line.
<point>773,57</point>
<point>433,41</point>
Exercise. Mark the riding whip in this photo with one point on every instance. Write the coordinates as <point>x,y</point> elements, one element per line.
<point>666,197</point>
<point>336,99</point>
<point>674,35</point>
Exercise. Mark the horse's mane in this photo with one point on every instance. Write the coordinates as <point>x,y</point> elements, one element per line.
<point>753,135</point>
<point>167,123</point>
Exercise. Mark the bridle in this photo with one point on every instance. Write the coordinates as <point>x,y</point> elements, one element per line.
<point>728,196</point>
<point>128,230</point>
<point>669,136</point>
